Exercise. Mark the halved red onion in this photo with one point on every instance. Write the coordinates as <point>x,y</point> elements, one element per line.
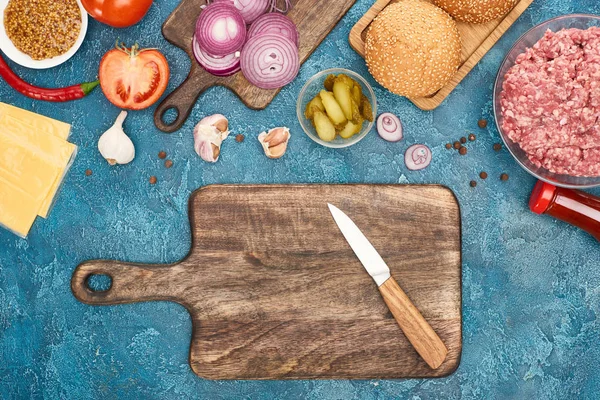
<point>250,9</point>
<point>270,61</point>
<point>275,23</point>
<point>417,156</point>
<point>220,29</point>
<point>389,127</point>
<point>218,66</point>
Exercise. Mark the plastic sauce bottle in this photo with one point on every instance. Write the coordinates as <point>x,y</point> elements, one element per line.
<point>573,206</point>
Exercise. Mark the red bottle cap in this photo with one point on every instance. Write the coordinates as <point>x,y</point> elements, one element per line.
<point>541,197</point>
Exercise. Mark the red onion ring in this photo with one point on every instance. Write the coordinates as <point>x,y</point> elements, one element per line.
<point>274,8</point>
<point>275,23</point>
<point>250,9</point>
<point>218,66</point>
<point>417,156</point>
<point>389,127</point>
<point>270,61</point>
<point>220,29</point>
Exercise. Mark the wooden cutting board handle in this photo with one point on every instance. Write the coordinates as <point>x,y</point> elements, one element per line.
<point>416,329</point>
<point>182,99</point>
<point>129,282</point>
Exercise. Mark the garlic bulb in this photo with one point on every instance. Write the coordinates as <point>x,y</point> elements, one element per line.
<point>208,136</point>
<point>114,145</point>
<point>275,142</point>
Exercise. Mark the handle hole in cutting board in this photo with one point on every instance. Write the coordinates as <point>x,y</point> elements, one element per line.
<point>98,283</point>
<point>169,116</point>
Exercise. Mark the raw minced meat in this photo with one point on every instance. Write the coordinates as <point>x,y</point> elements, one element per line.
<point>550,102</point>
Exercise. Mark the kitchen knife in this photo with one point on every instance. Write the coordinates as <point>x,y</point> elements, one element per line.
<point>418,332</point>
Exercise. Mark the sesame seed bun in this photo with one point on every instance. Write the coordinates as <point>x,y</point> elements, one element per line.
<point>476,11</point>
<point>413,48</point>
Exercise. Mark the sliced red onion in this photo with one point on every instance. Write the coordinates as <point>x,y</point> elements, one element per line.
<point>220,29</point>
<point>389,127</point>
<point>274,8</point>
<point>275,23</point>
<point>270,61</point>
<point>218,66</point>
<point>250,9</point>
<point>417,157</point>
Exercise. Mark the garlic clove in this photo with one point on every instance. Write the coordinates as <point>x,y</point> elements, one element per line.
<point>207,142</point>
<point>275,142</point>
<point>219,121</point>
<point>278,151</point>
<point>277,136</point>
<point>114,145</point>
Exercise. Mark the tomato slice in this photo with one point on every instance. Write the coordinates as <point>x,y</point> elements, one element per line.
<point>133,79</point>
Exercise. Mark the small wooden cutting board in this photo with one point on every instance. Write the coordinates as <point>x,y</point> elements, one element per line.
<point>275,292</point>
<point>477,40</point>
<point>313,18</point>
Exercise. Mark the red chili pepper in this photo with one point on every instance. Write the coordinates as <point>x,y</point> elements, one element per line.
<point>60,94</point>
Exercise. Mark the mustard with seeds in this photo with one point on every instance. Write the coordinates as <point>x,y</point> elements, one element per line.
<point>42,29</point>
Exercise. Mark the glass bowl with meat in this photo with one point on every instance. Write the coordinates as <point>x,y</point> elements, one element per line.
<point>547,101</point>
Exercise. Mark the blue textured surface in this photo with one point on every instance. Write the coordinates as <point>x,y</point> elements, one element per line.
<point>530,284</point>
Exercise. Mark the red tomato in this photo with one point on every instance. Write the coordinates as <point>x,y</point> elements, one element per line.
<point>117,13</point>
<point>133,79</point>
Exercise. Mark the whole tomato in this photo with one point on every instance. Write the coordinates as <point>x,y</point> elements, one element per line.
<point>117,13</point>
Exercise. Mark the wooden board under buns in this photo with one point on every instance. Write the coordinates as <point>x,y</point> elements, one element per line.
<point>477,40</point>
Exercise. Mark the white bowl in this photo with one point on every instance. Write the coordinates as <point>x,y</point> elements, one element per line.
<point>16,55</point>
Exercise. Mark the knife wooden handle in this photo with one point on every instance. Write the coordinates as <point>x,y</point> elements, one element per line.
<point>418,332</point>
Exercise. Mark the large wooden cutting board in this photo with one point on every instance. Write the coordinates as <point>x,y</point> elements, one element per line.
<point>477,40</point>
<point>314,19</point>
<point>275,292</point>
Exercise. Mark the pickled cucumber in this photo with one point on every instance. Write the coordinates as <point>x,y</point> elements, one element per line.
<point>323,125</point>
<point>328,84</point>
<point>342,94</point>
<point>365,108</point>
<point>333,109</point>
<point>356,115</point>
<point>357,93</point>
<point>346,79</point>
<point>349,130</point>
<point>314,103</point>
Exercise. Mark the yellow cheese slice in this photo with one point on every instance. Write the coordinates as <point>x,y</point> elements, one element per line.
<point>17,208</point>
<point>43,146</point>
<point>37,122</point>
<point>25,181</point>
<point>34,156</point>
<point>25,169</point>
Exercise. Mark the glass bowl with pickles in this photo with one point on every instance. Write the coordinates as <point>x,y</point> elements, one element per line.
<point>336,108</point>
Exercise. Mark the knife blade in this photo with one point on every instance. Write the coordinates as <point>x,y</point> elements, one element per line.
<point>416,329</point>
